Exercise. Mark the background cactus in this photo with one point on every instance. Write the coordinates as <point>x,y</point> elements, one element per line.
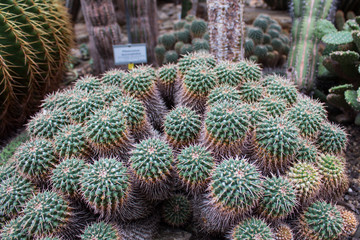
<point>186,38</point>
<point>265,43</point>
<point>35,48</point>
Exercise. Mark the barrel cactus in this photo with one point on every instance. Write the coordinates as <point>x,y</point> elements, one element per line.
<point>35,48</point>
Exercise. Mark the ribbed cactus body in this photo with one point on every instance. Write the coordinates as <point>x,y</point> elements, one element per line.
<point>35,46</point>
<point>252,229</point>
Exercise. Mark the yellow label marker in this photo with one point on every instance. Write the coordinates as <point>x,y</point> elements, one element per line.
<point>130,66</point>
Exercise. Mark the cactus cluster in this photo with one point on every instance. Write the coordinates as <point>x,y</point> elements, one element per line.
<point>265,42</point>
<point>340,66</point>
<point>189,35</point>
<point>237,156</point>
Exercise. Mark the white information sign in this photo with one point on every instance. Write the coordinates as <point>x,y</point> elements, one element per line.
<point>130,53</point>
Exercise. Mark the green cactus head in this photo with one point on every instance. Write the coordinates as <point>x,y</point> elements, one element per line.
<point>321,220</point>
<point>178,46</point>
<point>168,40</point>
<point>167,74</point>
<point>196,59</point>
<point>71,141</point>
<point>107,129</point>
<point>109,93</point>
<point>82,105</point>
<point>261,23</point>
<point>223,93</point>
<point>132,109</point>
<point>57,100</point>
<point>200,44</point>
<point>273,33</point>
<point>252,228</point>
<point>160,53</point>
<point>140,82</point>
<point>257,113</point>
<point>105,185</point>
<point>250,71</point>
<point>193,166</point>
<point>36,158</point>
<point>14,230</point>
<point>251,91</point>
<point>279,199</point>
<point>306,179</point>
<point>186,49</point>
<point>176,211</point>
<point>228,73</point>
<point>235,186</point>
<point>274,105</point>
<point>66,176</point>
<point>183,36</point>
<point>307,151</point>
<point>199,80</point>
<point>261,52</point>
<point>198,28</point>
<point>331,139</point>
<point>151,160</point>
<point>249,47</point>
<point>226,123</point>
<point>283,89</point>
<point>256,34</point>
<point>46,213</point>
<point>88,84</point>
<point>101,231</point>
<point>171,56</point>
<point>14,193</point>
<point>182,126</point>
<point>113,77</point>
<point>47,123</point>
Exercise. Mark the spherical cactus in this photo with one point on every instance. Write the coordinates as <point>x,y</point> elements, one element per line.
<point>88,83</point>
<point>249,47</point>
<point>283,89</point>
<point>46,213</point>
<point>179,24</point>
<point>176,211</point>
<point>47,123</point>
<point>226,125</point>
<point>168,40</point>
<point>279,199</point>
<point>197,84</point>
<point>183,36</point>
<point>307,151</point>
<point>257,113</point>
<point>307,118</point>
<point>14,193</point>
<point>36,43</point>
<point>186,49</point>
<point>200,44</point>
<point>182,127</point>
<point>261,52</point>
<point>266,39</point>
<point>256,34</point>
<point>331,139</point>
<point>71,141</point>
<point>321,220</point>
<point>275,26</point>
<point>151,162</point>
<point>223,93</point>
<point>14,230</point>
<point>82,105</point>
<point>193,167</point>
<point>249,71</point>
<point>57,100</point>
<point>251,91</point>
<point>168,82</point>
<point>109,93</point>
<point>235,188</point>
<point>135,114</point>
<point>250,229</point>
<point>283,232</point>
<point>178,47</point>
<point>198,28</point>
<point>261,23</point>
<point>278,45</point>
<point>196,59</point>
<point>113,77</point>
<point>228,73</point>
<point>274,105</point>
<point>160,53</point>
<point>350,222</point>
<point>66,176</point>
<point>273,33</point>
<point>275,143</point>
<point>7,171</point>
<point>105,185</point>
<point>171,56</point>
<point>101,231</point>
<point>107,130</point>
<point>36,158</point>
<point>306,179</point>
<point>333,176</point>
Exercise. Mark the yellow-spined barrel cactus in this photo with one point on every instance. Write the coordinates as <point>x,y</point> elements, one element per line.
<point>35,41</point>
